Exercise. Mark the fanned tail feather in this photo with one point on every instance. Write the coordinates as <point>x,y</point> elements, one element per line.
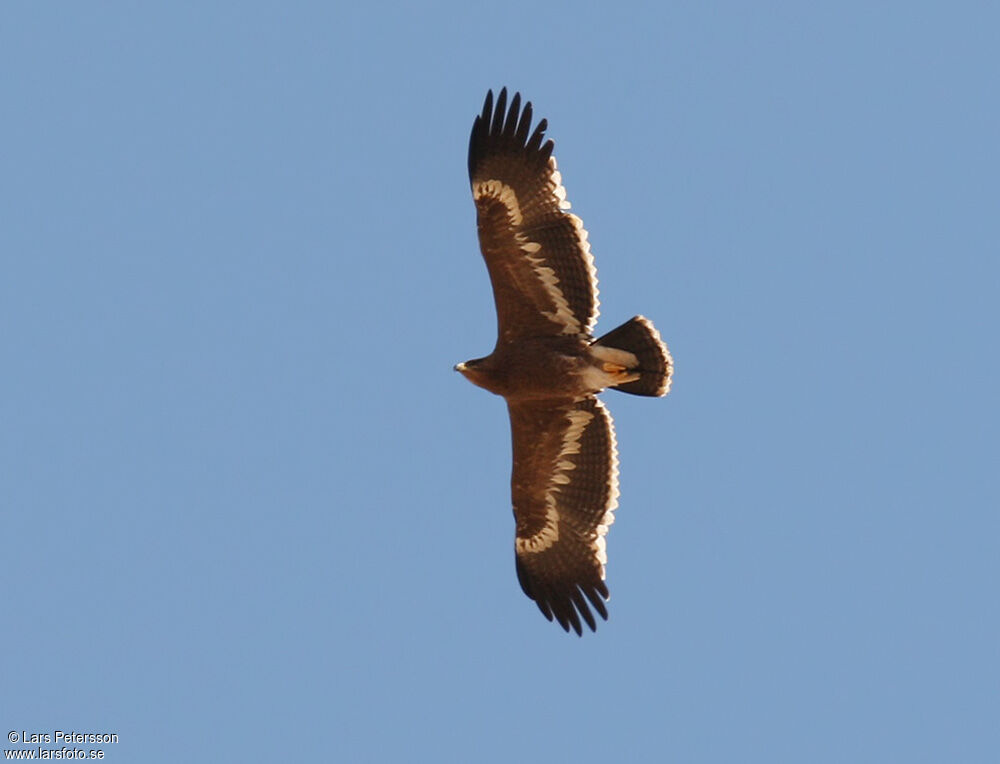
<point>639,337</point>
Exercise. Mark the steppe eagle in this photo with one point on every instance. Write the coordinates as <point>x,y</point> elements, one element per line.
<point>548,366</point>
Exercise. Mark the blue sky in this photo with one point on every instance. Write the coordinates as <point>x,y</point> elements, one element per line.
<point>251,513</point>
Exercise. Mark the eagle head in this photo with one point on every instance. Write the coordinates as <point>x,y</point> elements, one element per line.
<point>477,371</point>
<point>468,368</point>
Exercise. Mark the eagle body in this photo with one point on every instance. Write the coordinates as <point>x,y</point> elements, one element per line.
<point>540,368</point>
<point>548,365</point>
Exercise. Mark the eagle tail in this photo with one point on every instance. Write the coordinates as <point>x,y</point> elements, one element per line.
<point>639,337</point>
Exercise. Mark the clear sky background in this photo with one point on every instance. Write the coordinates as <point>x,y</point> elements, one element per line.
<point>251,514</point>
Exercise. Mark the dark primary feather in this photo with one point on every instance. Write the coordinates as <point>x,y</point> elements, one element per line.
<point>497,133</point>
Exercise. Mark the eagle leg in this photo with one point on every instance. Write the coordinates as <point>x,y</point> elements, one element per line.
<point>620,373</point>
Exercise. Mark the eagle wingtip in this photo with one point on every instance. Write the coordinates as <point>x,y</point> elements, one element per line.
<point>504,127</point>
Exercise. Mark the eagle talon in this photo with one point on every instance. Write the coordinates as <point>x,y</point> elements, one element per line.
<point>619,372</point>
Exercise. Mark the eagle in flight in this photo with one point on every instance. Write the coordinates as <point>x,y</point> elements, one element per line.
<point>548,366</point>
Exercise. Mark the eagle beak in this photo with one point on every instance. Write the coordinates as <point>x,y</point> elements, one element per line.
<point>459,367</point>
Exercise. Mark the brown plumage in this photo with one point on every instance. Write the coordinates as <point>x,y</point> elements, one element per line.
<point>548,366</point>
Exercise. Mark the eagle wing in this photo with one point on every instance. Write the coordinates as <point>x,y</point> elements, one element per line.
<point>540,265</point>
<point>564,488</point>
